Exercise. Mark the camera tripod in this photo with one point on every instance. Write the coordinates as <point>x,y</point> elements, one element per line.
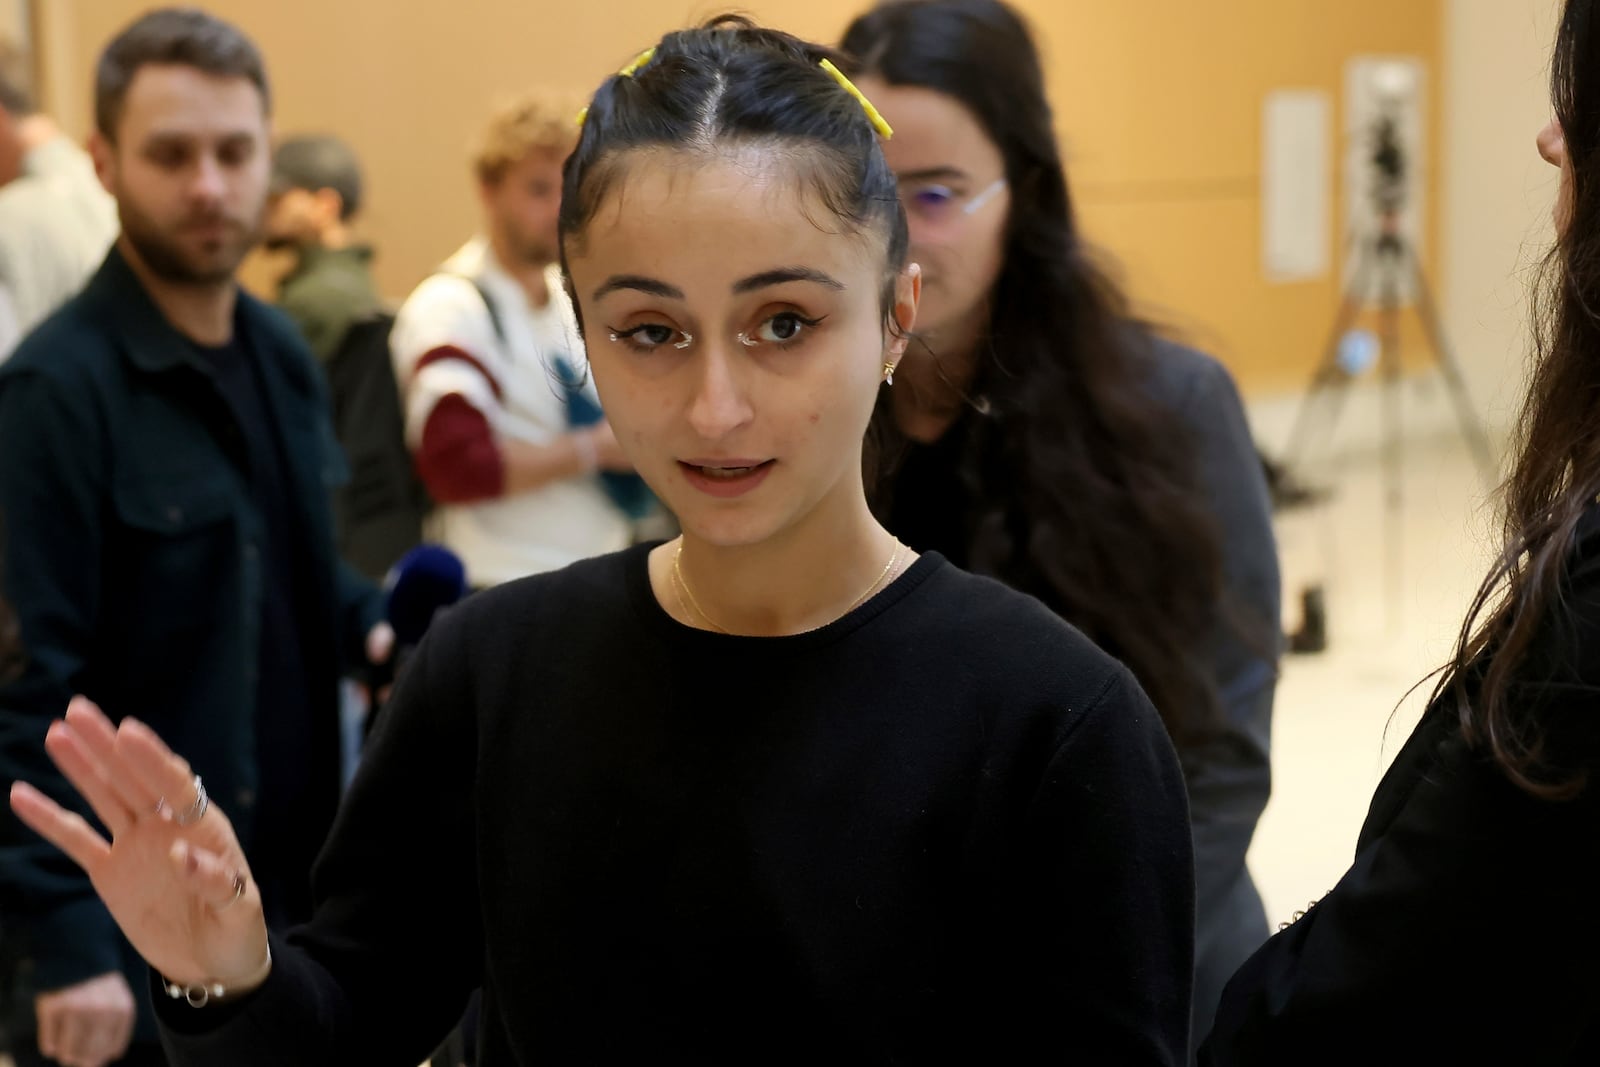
<point>1387,259</point>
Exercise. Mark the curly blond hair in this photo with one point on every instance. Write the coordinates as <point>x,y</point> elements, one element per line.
<point>538,121</point>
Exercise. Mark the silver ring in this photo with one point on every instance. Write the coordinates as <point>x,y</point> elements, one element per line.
<point>238,890</point>
<point>196,811</point>
<point>161,806</point>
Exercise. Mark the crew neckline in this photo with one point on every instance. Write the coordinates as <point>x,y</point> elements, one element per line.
<point>636,562</point>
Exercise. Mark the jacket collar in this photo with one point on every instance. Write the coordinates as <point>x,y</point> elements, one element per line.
<point>149,340</point>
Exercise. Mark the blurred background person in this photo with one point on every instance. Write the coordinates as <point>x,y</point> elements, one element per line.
<point>312,204</point>
<point>56,222</point>
<point>1039,433</point>
<point>167,548</point>
<point>328,290</point>
<point>499,411</point>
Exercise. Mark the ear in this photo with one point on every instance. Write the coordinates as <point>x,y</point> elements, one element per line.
<point>907,297</point>
<point>105,165</point>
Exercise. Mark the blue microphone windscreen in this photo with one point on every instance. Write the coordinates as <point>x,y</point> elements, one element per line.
<point>427,578</point>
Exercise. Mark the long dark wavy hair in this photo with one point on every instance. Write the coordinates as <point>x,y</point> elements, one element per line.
<point>1085,490</point>
<point>1555,470</point>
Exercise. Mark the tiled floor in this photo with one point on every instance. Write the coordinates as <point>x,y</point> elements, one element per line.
<point>1397,588</point>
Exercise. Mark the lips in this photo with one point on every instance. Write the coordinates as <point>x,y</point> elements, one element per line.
<point>726,477</point>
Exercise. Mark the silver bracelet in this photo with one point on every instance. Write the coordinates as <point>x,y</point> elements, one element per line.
<point>198,996</point>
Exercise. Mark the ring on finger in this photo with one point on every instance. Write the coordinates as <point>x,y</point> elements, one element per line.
<point>239,882</point>
<point>197,810</point>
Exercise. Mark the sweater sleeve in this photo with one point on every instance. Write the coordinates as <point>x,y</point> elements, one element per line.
<point>385,966</point>
<point>1110,826</point>
<point>448,363</point>
<point>458,458</point>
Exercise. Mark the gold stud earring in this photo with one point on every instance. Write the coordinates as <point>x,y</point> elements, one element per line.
<point>888,374</point>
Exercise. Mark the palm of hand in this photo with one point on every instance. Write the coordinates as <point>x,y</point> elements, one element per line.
<point>181,893</point>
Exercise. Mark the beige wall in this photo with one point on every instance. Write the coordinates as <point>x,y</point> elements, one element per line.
<point>14,20</point>
<point>1159,103</point>
<point>1498,192</point>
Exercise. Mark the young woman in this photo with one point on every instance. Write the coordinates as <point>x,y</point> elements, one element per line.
<point>777,791</point>
<point>1465,930</point>
<point>1038,434</point>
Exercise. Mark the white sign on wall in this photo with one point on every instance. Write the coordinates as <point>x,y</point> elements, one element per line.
<point>1296,184</point>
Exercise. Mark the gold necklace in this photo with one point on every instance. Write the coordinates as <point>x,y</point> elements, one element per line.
<point>687,601</point>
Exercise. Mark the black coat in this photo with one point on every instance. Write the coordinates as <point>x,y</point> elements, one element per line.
<point>1465,932</point>
<point>132,561</point>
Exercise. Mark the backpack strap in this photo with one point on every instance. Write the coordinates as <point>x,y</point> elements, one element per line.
<point>488,302</point>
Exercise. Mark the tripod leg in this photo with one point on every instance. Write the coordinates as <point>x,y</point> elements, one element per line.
<point>1329,374</point>
<point>1471,425</point>
<point>1394,471</point>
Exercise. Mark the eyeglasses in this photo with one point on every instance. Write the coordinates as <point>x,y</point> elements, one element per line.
<point>936,202</point>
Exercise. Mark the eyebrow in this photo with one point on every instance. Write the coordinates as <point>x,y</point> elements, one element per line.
<point>163,138</point>
<point>930,174</point>
<point>640,283</point>
<point>766,279</point>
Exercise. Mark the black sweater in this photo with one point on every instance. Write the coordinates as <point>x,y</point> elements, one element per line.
<point>945,825</point>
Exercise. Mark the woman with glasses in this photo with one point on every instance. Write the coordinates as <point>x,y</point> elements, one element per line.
<point>1040,434</point>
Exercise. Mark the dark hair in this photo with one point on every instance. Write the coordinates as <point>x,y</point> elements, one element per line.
<point>173,36</point>
<point>1085,495</point>
<point>319,162</point>
<point>1555,471</point>
<point>16,80</point>
<point>730,83</point>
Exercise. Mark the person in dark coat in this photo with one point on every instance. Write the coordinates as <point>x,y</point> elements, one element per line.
<point>165,463</point>
<point>1045,437</point>
<point>1465,930</point>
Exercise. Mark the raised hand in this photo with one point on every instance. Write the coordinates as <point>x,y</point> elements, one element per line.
<point>173,875</point>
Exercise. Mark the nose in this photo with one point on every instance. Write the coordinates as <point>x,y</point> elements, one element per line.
<point>208,183</point>
<point>719,405</point>
<point>1552,144</point>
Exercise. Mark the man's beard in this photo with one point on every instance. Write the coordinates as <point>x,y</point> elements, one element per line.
<point>171,261</point>
<point>532,251</point>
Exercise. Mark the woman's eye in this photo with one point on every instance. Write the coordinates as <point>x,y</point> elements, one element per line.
<point>650,335</point>
<point>933,196</point>
<point>784,327</point>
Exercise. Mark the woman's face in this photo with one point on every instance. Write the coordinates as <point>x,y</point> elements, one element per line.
<point>736,337</point>
<point>952,183</point>
<point>1553,148</point>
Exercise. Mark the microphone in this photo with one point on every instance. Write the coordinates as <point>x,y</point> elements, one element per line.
<point>426,579</point>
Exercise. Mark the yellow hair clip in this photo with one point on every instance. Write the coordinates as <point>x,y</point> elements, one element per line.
<point>626,72</point>
<point>638,61</point>
<point>877,120</point>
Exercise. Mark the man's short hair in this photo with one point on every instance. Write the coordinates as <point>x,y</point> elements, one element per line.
<point>16,80</point>
<point>542,121</point>
<point>315,163</point>
<point>173,36</point>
